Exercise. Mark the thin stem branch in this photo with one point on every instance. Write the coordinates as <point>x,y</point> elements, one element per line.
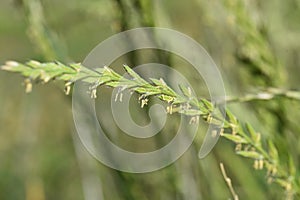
<point>266,94</point>
<point>228,182</point>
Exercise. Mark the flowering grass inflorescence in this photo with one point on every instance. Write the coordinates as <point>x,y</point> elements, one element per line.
<point>248,142</point>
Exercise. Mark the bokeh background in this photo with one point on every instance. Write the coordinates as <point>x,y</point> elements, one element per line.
<point>254,43</point>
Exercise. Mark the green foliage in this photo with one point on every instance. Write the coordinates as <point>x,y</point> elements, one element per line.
<point>255,53</point>
<point>248,141</point>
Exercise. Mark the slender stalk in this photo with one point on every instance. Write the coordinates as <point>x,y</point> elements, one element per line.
<point>228,182</point>
<point>266,94</point>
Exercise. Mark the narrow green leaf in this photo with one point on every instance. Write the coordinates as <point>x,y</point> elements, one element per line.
<point>14,67</point>
<point>207,104</point>
<point>250,154</point>
<point>292,168</point>
<point>34,74</point>
<point>66,77</point>
<point>251,131</point>
<point>157,82</point>
<point>235,138</point>
<point>34,64</point>
<point>273,151</point>
<point>76,66</point>
<point>134,74</point>
<point>179,100</point>
<point>282,183</point>
<point>231,117</point>
<point>186,92</point>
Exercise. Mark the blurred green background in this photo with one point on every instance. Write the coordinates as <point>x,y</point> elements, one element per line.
<point>254,43</point>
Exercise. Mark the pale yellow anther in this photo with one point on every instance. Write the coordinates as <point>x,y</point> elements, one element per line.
<point>121,97</point>
<point>261,164</point>
<point>256,164</point>
<point>68,88</point>
<point>94,94</point>
<point>194,120</point>
<point>28,85</point>
<point>170,109</point>
<point>144,102</point>
<point>238,147</point>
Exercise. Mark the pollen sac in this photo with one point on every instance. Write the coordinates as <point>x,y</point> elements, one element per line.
<point>28,85</point>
